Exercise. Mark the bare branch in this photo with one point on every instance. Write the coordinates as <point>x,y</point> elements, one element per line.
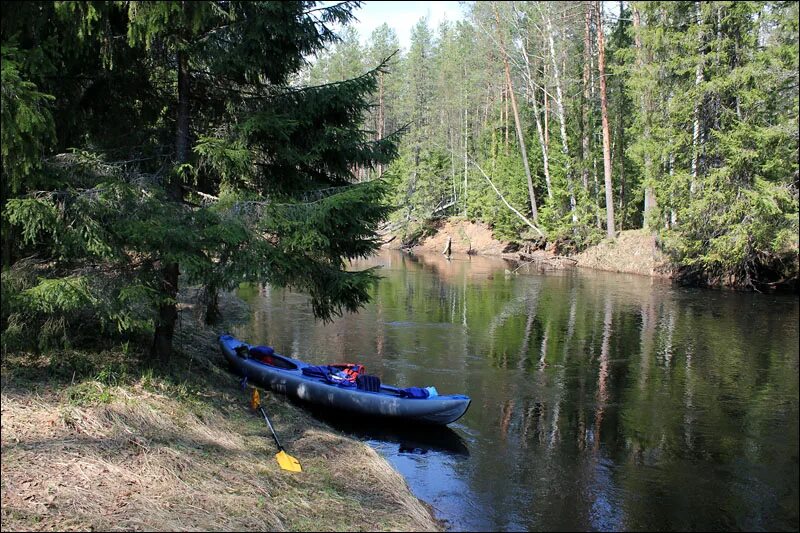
<point>520,215</point>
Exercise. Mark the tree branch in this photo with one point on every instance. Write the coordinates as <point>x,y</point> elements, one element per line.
<point>520,215</point>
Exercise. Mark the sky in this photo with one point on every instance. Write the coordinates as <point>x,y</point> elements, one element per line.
<point>401,16</point>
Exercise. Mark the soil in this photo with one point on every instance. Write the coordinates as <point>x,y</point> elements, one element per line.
<point>466,237</point>
<point>632,252</point>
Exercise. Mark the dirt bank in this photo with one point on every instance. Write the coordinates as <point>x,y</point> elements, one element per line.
<point>632,252</point>
<point>87,449</point>
<point>466,237</point>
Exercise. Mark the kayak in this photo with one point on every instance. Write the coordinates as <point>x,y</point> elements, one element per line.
<point>285,375</point>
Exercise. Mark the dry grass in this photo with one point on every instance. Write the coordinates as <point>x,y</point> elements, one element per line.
<point>632,252</point>
<point>156,453</point>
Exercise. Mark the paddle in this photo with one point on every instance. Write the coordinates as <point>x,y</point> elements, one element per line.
<point>285,461</point>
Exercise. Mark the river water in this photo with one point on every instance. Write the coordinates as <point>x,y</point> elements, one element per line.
<point>600,401</point>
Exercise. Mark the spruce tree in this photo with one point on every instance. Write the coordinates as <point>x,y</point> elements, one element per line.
<point>238,175</point>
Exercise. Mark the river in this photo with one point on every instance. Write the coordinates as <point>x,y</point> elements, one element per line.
<point>600,401</point>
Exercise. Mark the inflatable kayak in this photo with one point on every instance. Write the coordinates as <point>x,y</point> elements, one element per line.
<point>302,381</point>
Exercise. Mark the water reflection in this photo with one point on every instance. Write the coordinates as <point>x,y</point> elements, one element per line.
<point>411,439</point>
<point>600,401</point>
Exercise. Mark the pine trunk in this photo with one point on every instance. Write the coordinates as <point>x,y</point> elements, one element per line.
<point>546,109</point>
<point>524,152</point>
<point>601,59</point>
<point>620,144</point>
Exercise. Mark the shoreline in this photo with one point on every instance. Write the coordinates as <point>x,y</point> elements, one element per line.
<point>632,252</point>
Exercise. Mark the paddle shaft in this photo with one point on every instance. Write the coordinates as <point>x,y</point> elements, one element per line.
<point>274,436</point>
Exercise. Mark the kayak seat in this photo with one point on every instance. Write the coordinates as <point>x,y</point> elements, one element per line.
<point>368,383</point>
<point>265,355</point>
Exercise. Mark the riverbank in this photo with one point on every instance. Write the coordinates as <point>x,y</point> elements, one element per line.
<point>632,252</point>
<point>91,442</point>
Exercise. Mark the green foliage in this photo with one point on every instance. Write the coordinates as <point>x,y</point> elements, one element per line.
<point>719,152</point>
<point>64,295</point>
<point>27,124</point>
<point>267,186</point>
<point>729,197</point>
<point>89,393</point>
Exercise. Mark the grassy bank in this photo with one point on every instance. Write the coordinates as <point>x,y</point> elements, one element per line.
<point>632,252</point>
<point>90,441</point>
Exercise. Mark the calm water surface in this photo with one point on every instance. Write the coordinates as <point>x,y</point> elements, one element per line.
<point>599,401</point>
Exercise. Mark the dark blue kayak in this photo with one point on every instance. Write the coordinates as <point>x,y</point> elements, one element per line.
<point>285,375</point>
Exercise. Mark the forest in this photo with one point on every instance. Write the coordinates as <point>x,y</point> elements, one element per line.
<point>217,143</point>
<point>197,198</point>
<point>572,121</point>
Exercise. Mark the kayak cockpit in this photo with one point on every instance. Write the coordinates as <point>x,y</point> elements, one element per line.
<point>266,356</point>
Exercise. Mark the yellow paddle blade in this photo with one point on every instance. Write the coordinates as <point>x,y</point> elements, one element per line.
<point>255,400</point>
<point>287,462</point>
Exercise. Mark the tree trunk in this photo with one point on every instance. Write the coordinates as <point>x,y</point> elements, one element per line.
<point>380,117</point>
<point>466,140</point>
<point>646,111</point>
<point>412,183</point>
<point>524,152</point>
<point>698,79</point>
<point>673,216</point>
<point>546,109</point>
<point>601,65</point>
<point>585,103</point>
<point>542,132</point>
<point>561,118</point>
<point>621,157</point>
<point>505,123</point>
<point>212,304</point>
<point>161,350</point>
<point>596,192</point>
<point>532,195</point>
<point>620,146</point>
<point>620,143</point>
<point>182,137</point>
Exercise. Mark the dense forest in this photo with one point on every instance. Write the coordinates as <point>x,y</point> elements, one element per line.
<point>576,120</point>
<point>147,145</point>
